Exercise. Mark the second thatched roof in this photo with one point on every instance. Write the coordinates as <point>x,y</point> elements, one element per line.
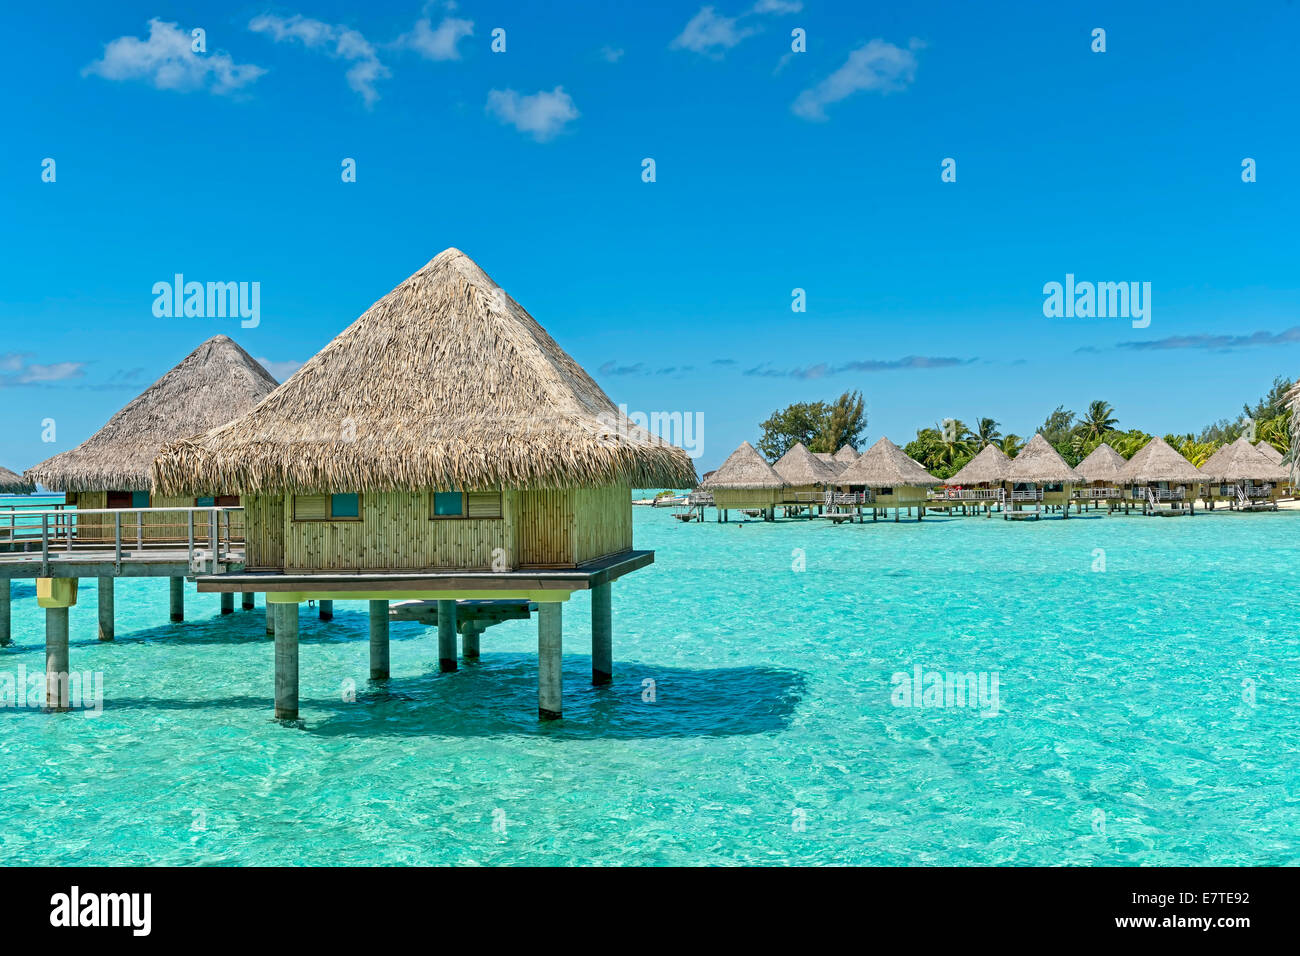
<point>799,466</point>
<point>1271,453</point>
<point>885,465</point>
<point>1103,464</point>
<point>847,454</point>
<point>445,382</point>
<point>744,470</point>
<point>1039,463</point>
<point>1158,461</point>
<point>1242,461</point>
<point>213,384</point>
<point>12,483</point>
<point>989,466</point>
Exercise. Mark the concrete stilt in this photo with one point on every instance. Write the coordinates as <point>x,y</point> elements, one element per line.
<point>602,635</point>
<point>105,609</point>
<point>327,610</point>
<point>446,636</point>
<point>178,598</point>
<point>248,602</point>
<point>469,641</point>
<point>550,644</point>
<point>379,640</point>
<point>227,602</point>
<point>56,659</point>
<point>286,662</point>
<point>270,618</point>
<point>5,623</point>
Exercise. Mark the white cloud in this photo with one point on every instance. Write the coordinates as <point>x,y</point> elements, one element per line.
<point>611,54</point>
<point>709,33</point>
<point>777,7</point>
<point>15,369</point>
<point>542,114</point>
<point>439,43</point>
<point>280,371</point>
<point>167,61</point>
<point>877,67</point>
<point>340,42</point>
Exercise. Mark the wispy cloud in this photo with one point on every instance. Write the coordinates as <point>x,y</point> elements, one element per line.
<point>167,61</point>
<point>874,67</point>
<point>16,369</point>
<point>723,361</point>
<point>337,41</point>
<point>711,33</point>
<point>640,368</point>
<point>280,371</point>
<point>611,54</point>
<point>824,369</point>
<point>542,115</point>
<point>1216,343</point>
<point>436,43</point>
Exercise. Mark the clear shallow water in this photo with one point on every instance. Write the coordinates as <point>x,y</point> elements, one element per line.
<point>1122,735</point>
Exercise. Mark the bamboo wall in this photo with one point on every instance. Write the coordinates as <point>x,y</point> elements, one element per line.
<point>395,532</point>
<point>740,498</point>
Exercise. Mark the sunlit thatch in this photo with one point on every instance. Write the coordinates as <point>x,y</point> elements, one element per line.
<point>988,467</point>
<point>14,484</point>
<point>744,470</point>
<point>799,466</point>
<point>1103,464</point>
<point>885,465</point>
<point>1158,461</point>
<point>1242,461</point>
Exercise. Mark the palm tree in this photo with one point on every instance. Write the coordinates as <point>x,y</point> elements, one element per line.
<point>1011,445</point>
<point>1098,419</point>
<point>986,433</point>
<point>955,441</point>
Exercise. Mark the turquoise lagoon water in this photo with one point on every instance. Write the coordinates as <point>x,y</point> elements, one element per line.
<point>1124,733</point>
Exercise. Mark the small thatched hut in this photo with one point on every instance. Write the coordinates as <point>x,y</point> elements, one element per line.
<point>978,483</point>
<point>1158,473</point>
<point>213,384</point>
<point>805,475</point>
<point>1040,477</point>
<point>745,481</point>
<point>14,484</point>
<point>1242,475</point>
<point>846,455</point>
<point>888,478</point>
<point>1100,473</point>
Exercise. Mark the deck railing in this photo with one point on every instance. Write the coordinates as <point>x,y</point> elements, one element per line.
<point>966,494</point>
<point>1034,494</point>
<point>1090,493</point>
<point>832,498</point>
<point>209,537</point>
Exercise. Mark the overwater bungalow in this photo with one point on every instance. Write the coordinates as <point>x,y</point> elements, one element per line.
<point>1038,480</point>
<point>1286,490</point>
<point>884,477</point>
<point>806,477</point>
<point>745,482</point>
<point>1243,476</point>
<point>110,470</point>
<point>1160,480</point>
<point>1100,473</point>
<point>443,448</point>
<point>976,485</point>
<point>12,483</point>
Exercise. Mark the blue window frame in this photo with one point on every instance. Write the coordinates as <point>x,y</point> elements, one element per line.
<point>205,502</point>
<point>345,506</point>
<point>139,499</point>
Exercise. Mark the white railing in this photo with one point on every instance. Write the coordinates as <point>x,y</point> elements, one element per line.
<point>967,494</point>
<point>698,498</point>
<point>1090,493</point>
<point>209,537</point>
<point>1032,495</point>
<point>830,498</point>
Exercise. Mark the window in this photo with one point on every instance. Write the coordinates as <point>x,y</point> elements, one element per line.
<point>1055,486</point>
<point>327,507</point>
<point>139,499</point>
<point>205,502</point>
<point>884,491</point>
<point>227,501</point>
<point>466,504</point>
<point>128,499</point>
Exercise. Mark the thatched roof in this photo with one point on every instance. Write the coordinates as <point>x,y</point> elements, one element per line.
<point>1242,461</point>
<point>846,454</point>
<point>1271,453</point>
<point>745,469</point>
<point>885,465</point>
<point>213,384</point>
<point>1039,463</point>
<point>1103,464</point>
<point>14,484</point>
<point>1157,461</point>
<point>799,466</point>
<point>990,465</point>
<point>445,382</point>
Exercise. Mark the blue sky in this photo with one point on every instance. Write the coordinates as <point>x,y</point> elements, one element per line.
<point>775,170</point>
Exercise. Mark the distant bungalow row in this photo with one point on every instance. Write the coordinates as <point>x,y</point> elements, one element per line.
<point>847,486</point>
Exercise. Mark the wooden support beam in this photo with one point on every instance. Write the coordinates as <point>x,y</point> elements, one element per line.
<point>286,661</point>
<point>327,610</point>
<point>446,636</point>
<point>602,634</point>
<point>105,588</point>
<point>550,652</point>
<point>177,598</point>
<point>379,640</point>
<point>469,640</point>
<point>270,618</point>
<point>6,636</point>
<point>248,602</point>
<point>227,602</point>
<point>56,659</point>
